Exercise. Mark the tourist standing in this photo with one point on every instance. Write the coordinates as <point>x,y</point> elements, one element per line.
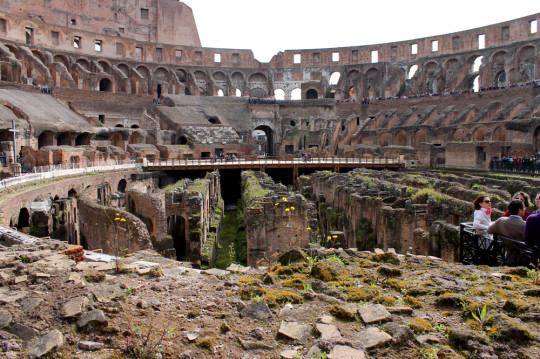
<point>482,215</point>
<point>537,202</point>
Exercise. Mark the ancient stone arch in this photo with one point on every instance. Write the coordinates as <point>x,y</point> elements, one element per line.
<point>401,138</point>
<point>202,82</point>
<point>46,138</point>
<point>499,134</point>
<point>383,139</point>
<point>479,134</point>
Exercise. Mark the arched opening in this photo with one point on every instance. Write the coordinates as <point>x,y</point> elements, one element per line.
<point>176,228</point>
<point>499,134</point>
<point>263,142</point>
<point>105,85</point>
<point>238,93</point>
<point>116,140</point>
<point>119,125</point>
<point>419,137</point>
<point>412,71</point>
<point>83,139</point>
<point>45,139</point>
<point>383,140</point>
<point>479,134</point>
<point>214,120</point>
<point>64,139</point>
<point>158,90</point>
<point>476,64</point>
<point>500,79</point>
<point>135,138</point>
<point>257,92</point>
<point>334,78</point>
<point>122,186</point>
<point>476,83</point>
<point>296,94</point>
<point>182,140</point>
<point>311,94</point>
<point>220,93</point>
<point>401,138</point>
<point>24,219</point>
<point>279,94</point>
<point>134,126</point>
<point>72,193</point>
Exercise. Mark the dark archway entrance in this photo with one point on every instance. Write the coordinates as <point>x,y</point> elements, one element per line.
<point>158,91</point>
<point>105,85</point>
<point>311,94</point>
<point>176,228</point>
<point>24,219</point>
<point>264,143</point>
<point>122,186</point>
<point>83,139</point>
<point>45,139</point>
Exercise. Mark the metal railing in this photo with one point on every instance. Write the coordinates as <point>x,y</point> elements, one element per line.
<point>500,251</point>
<point>45,172</point>
<point>274,161</point>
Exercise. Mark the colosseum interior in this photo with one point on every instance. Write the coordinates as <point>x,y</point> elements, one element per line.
<point>121,134</point>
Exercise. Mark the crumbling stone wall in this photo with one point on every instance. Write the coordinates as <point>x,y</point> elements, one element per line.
<point>100,229</point>
<point>276,220</point>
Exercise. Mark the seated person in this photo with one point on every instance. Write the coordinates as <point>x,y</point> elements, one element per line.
<point>531,236</point>
<point>512,226</point>
<point>482,214</point>
<point>524,197</point>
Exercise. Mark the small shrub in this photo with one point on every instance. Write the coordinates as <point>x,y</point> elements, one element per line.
<point>206,343</point>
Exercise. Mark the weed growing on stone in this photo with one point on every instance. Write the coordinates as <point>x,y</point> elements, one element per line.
<point>534,273</point>
<point>144,341</point>
<point>481,317</point>
<point>115,244</point>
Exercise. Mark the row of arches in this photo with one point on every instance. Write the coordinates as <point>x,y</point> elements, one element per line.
<point>480,69</point>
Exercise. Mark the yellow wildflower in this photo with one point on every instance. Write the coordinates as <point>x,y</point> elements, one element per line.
<point>292,208</point>
<point>334,236</point>
<point>287,210</point>
<point>123,220</point>
<point>308,228</point>
<point>284,199</point>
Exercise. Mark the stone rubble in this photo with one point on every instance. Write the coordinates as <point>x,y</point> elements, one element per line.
<point>65,307</point>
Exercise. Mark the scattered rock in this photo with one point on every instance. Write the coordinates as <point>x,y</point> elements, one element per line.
<point>373,337</point>
<point>288,354</point>
<point>400,333</point>
<point>75,307</point>
<point>90,346</point>
<point>346,352</point>
<point>328,331</point>
<point>92,320</point>
<point>5,319</point>
<point>293,255</point>
<point>374,313</point>
<point>22,331</point>
<point>257,310</point>
<point>293,330</point>
<point>46,344</point>
<point>28,305</point>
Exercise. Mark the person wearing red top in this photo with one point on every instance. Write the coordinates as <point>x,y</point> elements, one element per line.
<point>523,197</point>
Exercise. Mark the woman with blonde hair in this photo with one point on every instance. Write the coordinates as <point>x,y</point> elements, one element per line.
<point>482,214</point>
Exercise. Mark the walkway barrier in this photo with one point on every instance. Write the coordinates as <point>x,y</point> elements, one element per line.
<point>53,171</point>
<point>499,251</point>
<point>275,161</point>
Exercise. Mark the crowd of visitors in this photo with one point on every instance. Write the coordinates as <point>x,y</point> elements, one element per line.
<point>517,223</point>
<point>516,164</point>
<point>222,157</point>
<point>262,101</point>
